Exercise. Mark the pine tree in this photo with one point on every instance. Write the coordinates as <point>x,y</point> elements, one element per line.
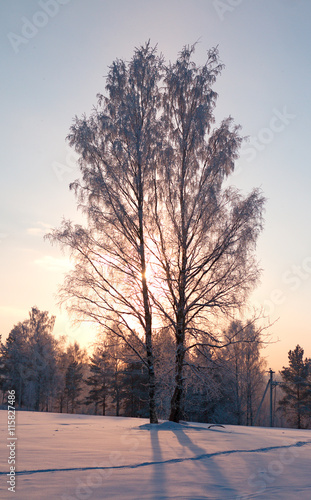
<point>99,380</point>
<point>296,403</point>
<point>116,389</point>
<point>73,376</point>
<point>135,390</point>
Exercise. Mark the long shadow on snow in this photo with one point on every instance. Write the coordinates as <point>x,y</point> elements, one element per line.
<point>159,468</point>
<point>212,470</point>
<point>299,444</point>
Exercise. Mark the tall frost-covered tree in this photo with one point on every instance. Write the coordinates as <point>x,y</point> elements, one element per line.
<point>119,147</point>
<point>164,237</point>
<point>203,234</point>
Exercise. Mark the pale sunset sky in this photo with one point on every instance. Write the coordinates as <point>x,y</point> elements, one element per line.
<point>54,56</point>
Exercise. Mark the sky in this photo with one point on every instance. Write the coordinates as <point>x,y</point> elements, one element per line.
<point>54,57</point>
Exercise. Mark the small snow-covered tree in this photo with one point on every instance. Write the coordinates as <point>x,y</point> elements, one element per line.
<point>15,359</point>
<point>29,356</point>
<point>243,370</point>
<point>113,350</point>
<point>296,384</point>
<point>42,363</point>
<point>164,349</point>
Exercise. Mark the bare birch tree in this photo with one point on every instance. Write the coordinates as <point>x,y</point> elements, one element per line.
<point>118,147</point>
<point>203,234</point>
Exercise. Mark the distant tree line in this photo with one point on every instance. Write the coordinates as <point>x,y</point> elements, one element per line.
<point>50,375</point>
<point>221,386</point>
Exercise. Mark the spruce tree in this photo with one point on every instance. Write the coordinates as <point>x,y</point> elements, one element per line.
<point>98,381</point>
<point>296,385</point>
<point>74,376</point>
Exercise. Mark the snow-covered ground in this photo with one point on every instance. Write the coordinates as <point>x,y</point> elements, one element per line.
<point>80,457</point>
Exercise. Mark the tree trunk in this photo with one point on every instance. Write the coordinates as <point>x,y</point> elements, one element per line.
<point>117,391</point>
<point>177,398</point>
<point>249,407</point>
<point>37,403</point>
<point>298,408</point>
<point>237,393</point>
<point>147,313</point>
<point>152,382</point>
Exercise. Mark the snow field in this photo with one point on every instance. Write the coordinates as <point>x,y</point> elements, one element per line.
<point>82,457</point>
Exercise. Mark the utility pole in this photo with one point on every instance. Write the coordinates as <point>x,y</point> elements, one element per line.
<point>270,384</point>
<point>271,396</point>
